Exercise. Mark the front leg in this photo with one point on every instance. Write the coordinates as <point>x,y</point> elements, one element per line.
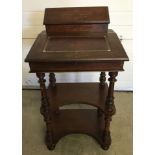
<point>45,111</point>
<point>109,110</point>
<point>52,79</point>
<point>49,137</point>
<point>102,80</point>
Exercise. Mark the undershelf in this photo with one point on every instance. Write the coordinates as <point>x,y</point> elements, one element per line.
<point>85,121</point>
<point>82,93</point>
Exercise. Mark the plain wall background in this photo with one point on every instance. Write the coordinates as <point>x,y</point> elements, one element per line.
<point>121,22</point>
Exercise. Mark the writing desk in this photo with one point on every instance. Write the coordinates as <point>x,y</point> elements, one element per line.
<point>77,54</point>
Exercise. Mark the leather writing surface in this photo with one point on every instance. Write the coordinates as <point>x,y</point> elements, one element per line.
<point>76,44</point>
<point>69,49</point>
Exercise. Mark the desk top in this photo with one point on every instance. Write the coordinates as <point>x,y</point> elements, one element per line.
<point>77,49</point>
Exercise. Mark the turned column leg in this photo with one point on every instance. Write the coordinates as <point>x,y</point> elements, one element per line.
<point>44,99</point>
<point>52,79</point>
<point>102,82</point>
<point>45,110</point>
<point>109,110</point>
<point>102,78</point>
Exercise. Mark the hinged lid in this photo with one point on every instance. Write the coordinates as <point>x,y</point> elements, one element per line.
<point>76,15</point>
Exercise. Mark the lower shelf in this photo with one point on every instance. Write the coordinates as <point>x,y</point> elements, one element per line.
<point>85,121</point>
<point>82,93</point>
<point>72,121</point>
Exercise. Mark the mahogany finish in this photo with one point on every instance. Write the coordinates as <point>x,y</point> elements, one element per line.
<point>102,78</point>
<point>82,93</point>
<point>112,52</point>
<point>77,30</point>
<point>77,39</point>
<point>74,121</point>
<point>76,15</point>
<point>72,21</point>
<point>52,79</point>
<point>109,110</point>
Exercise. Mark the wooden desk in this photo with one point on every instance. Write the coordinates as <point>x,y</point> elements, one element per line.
<point>76,54</point>
<point>76,40</point>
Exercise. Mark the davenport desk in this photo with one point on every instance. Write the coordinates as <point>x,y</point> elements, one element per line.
<point>91,47</point>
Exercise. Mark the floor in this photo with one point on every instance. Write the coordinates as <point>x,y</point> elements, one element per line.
<point>76,144</point>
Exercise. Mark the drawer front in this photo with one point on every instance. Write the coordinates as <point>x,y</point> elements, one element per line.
<point>76,66</point>
<point>83,29</point>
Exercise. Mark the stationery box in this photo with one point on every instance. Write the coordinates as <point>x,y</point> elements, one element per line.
<point>76,21</point>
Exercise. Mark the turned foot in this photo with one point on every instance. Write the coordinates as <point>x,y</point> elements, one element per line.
<point>51,146</point>
<point>106,141</point>
<point>49,142</point>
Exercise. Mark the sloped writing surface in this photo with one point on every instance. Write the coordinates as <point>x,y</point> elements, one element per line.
<point>76,44</point>
<point>76,49</point>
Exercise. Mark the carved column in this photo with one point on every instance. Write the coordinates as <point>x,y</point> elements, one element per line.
<point>109,110</point>
<point>52,79</point>
<point>45,111</point>
<point>44,99</point>
<point>102,82</point>
<point>102,78</point>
